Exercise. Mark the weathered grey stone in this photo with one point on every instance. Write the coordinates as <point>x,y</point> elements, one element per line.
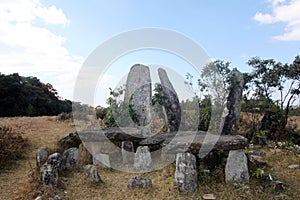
<point>236,169</point>
<point>70,158</point>
<point>234,103</point>
<point>138,96</point>
<point>140,182</point>
<point>143,160</point>
<point>55,160</point>
<point>170,101</point>
<point>167,156</point>
<point>101,160</point>
<point>85,157</point>
<point>186,178</point>
<point>91,173</point>
<point>127,152</point>
<point>49,175</point>
<point>68,141</point>
<point>41,156</point>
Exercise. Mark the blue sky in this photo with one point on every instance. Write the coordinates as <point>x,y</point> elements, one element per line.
<point>51,39</point>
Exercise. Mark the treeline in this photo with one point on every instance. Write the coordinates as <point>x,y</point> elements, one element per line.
<point>28,96</point>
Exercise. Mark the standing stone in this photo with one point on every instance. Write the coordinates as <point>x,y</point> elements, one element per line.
<point>91,173</point>
<point>70,158</point>
<point>41,156</point>
<point>49,175</point>
<point>138,97</point>
<point>236,169</point>
<point>170,101</point>
<point>186,178</point>
<point>140,182</point>
<point>101,160</point>
<point>127,152</point>
<point>85,157</point>
<point>234,103</point>
<point>142,160</point>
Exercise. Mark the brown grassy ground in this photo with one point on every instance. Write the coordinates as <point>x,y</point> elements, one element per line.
<point>44,131</point>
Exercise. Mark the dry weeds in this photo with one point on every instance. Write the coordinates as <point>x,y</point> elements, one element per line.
<point>16,181</point>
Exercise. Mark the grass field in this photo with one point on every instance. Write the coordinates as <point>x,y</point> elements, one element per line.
<point>16,177</point>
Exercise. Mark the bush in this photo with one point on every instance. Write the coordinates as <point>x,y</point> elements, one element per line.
<point>11,144</point>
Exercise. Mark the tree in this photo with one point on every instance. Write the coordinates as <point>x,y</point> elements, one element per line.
<point>277,83</point>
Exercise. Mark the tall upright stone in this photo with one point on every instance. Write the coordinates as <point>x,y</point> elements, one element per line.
<point>170,101</point>
<point>186,178</point>
<point>234,103</point>
<point>138,96</point>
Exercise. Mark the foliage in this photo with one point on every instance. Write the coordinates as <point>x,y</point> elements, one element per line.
<point>27,96</point>
<point>272,88</point>
<point>211,89</point>
<point>11,144</point>
<point>277,83</point>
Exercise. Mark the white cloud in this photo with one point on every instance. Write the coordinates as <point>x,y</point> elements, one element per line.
<point>32,50</point>
<point>286,11</point>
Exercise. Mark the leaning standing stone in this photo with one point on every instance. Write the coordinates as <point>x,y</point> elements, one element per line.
<point>186,178</point>
<point>41,156</point>
<point>234,103</point>
<point>236,169</point>
<point>142,160</point>
<point>91,173</point>
<point>170,101</point>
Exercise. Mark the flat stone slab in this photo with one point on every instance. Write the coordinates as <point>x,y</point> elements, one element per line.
<point>178,142</point>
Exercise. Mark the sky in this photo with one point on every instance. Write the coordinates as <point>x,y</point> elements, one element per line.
<point>52,39</point>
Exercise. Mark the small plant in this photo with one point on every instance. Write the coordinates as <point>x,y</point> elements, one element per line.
<point>258,173</point>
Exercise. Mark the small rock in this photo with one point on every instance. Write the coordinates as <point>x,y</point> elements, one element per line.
<point>58,197</point>
<point>209,197</point>
<point>278,186</point>
<point>91,173</point>
<point>140,182</point>
<point>257,160</point>
<point>258,153</point>
<point>293,166</point>
<point>41,156</point>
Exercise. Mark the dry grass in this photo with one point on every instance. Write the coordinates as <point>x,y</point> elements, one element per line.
<point>44,131</point>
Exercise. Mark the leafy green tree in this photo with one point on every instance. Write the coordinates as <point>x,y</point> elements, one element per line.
<point>277,84</point>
